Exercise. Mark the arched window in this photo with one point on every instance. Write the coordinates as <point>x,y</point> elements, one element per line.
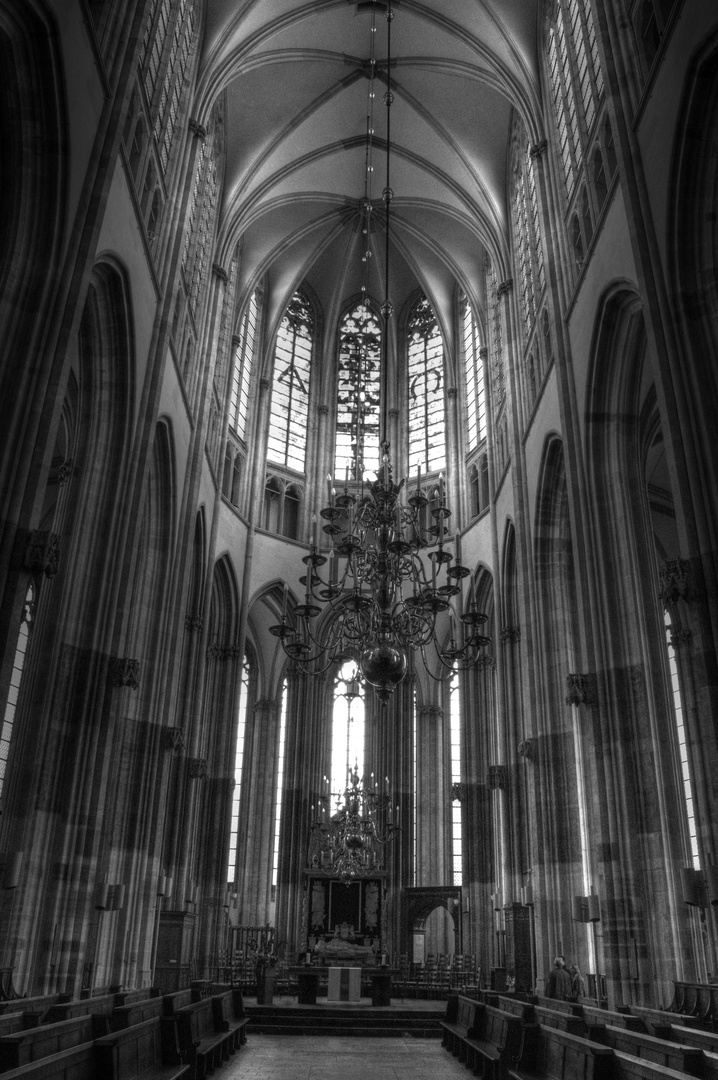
<point>236,478</point>
<point>227,471</point>
<point>200,222</point>
<point>245,343</point>
<point>23,639</point>
<point>272,505</point>
<point>357,440</point>
<point>347,729</point>
<point>599,178</point>
<point>153,220</point>
<point>290,514</point>
<point>454,711</point>
<point>290,388</point>
<point>577,241</point>
<point>427,421</point>
<point>238,763</point>
<point>587,220</point>
<point>609,147</point>
<point>682,747</point>
<point>279,798</point>
<point>475,492</point>
<point>138,145</point>
<point>576,83</point>
<point>474,375</point>
<point>163,60</point>
<point>528,250</point>
<point>483,482</point>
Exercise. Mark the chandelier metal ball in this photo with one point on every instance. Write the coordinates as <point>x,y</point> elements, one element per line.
<point>383,666</point>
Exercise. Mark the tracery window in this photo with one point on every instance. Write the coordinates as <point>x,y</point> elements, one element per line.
<point>200,222</point>
<point>528,250</point>
<point>245,343</point>
<point>455,740</point>
<point>357,439</point>
<point>279,798</point>
<point>347,730</point>
<point>164,56</point>
<point>496,356</point>
<point>23,639</point>
<point>682,745</point>
<point>427,420</point>
<point>238,763</point>
<point>576,83</point>
<point>474,375</point>
<point>290,390</point>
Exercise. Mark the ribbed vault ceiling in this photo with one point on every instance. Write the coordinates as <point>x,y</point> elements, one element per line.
<point>295,76</point>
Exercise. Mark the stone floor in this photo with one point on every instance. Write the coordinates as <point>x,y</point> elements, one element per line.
<point>268,1057</point>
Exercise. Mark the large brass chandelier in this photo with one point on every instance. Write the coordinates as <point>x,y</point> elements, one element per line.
<point>390,587</point>
<point>350,843</point>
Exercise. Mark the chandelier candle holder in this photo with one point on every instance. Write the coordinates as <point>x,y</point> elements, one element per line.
<point>350,844</point>
<point>376,601</point>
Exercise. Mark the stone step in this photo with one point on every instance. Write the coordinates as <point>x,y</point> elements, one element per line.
<point>397,1031</point>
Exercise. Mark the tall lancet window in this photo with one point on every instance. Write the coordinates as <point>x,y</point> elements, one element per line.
<point>455,739</point>
<point>347,730</point>
<point>474,375</point>
<point>427,423</point>
<point>357,445</point>
<point>290,389</point>
<point>238,764</point>
<point>23,639</point>
<point>243,364</point>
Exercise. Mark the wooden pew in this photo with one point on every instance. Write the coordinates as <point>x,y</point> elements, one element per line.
<point>22,1047</point>
<point>705,1040</point>
<point>495,1041</point>
<point>516,1007</point>
<point>229,1015</point>
<point>629,1067</point>
<point>594,1015</point>
<point>658,1022</point>
<point>687,1059</point>
<point>100,1008</point>
<point>78,1063</point>
<point>39,1004</point>
<point>10,1022</point>
<point>197,1039</point>
<point>571,1008</point>
<point>127,1015</point>
<point>132,997</point>
<point>171,1003</point>
<point>135,1053</point>
<point>574,1025</point>
<point>561,1056</point>
<point>459,1019</point>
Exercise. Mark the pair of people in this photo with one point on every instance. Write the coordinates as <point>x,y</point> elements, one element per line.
<point>564,983</point>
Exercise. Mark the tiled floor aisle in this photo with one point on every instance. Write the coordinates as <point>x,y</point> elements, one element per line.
<point>277,1057</point>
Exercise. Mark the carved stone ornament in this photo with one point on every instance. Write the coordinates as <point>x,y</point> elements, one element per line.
<point>498,777</point>
<point>527,749</point>
<point>197,768</point>
<point>192,622</point>
<point>43,553</point>
<point>486,663</point>
<point>483,352</point>
<point>504,287</point>
<point>220,272</point>
<point>677,582</point>
<point>64,471</point>
<point>538,148</point>
<point>125,671</point>
<point>198,130</point>
<point>679,638</point>
<point>581,689</point>
<point>458,792</point>
<point>172,739</point>
<point>510,635</point>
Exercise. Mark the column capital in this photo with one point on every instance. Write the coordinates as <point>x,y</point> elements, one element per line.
<point>677,581</point>
<point>538,149</point>
<point>581,689</point>
<point>125,671</point>
<point>198,130</point>
<point>505,287</point>
<point>220,272</point>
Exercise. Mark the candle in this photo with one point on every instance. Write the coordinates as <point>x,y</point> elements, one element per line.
<point>418,481</point>
<point>314,530</point>
<point>284,600</point>
<point>329,485</point>
<point>441,489</point>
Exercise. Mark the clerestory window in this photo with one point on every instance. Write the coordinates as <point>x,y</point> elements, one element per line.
<point>358,394</point>
<point>427,418</point>
<point>290,388</point>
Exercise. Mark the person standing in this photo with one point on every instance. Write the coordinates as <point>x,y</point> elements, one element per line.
<point>578,985</point>
<point>558,984</point>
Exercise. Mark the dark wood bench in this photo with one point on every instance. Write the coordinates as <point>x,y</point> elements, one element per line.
<point>197,1039</point>
<point>658,1021</point>
<point>574,1025</point>
<point>705,1040</point>
<point>561,1056</point>
<point>135,1053</point>
<point>39,1004</point>
<point>229,1015</point>
<point>523,1009</point>
<point>10,1022</point>
<point>128,1015</point>
<point>594,1015</point>
<point>688,1059</point>
<point>100,1008</point>
<point>77,1063</point>
<point>495,1042</point>
<point>171,1003</point>
<point>571,1008</point>
<point>132,997</point>
<point>630,1067</point>
<point>459,1019</point>
<point>22,1047</point>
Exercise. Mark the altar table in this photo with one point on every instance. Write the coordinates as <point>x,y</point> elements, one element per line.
<point>344,984</point>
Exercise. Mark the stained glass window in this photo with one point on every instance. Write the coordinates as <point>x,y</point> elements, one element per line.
<point>242,371</point>
<point>290,390</point>
<point>455,735</point>
<point>474,374</point>
<point>427,421</point>
<point>357,440</point>
<point>238,762</point>
<point>21,645</point>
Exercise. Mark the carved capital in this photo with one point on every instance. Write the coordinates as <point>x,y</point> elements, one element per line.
<point>527,749</point>
<point>677,582</point>
<point>197,768</point>
<point>63,471</point>
<point>264,383</point>
<point>215,652</point>
<point>125,671</point>
<point>505,287</point>
<point>172,739</point>
<point>42,555</point>
<point>197,130</point>
<point>538,149</point>
<point>498,778</point>
<point>430,712</point>
<point>510,635</point>
<point>451,392</point>
<point>236,341</point>
<point>458,792</point>
<point>486,663</point>
<point>192,622</point>
<point>394,414</point>
<point>323,410</point>
<point>581,689</point>
<point>483,352</point>
<point>679,638</point>
<point>220,272</point>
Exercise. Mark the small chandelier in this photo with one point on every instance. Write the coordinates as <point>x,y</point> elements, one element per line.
<point>351,843</point>
<point>381,605</point>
